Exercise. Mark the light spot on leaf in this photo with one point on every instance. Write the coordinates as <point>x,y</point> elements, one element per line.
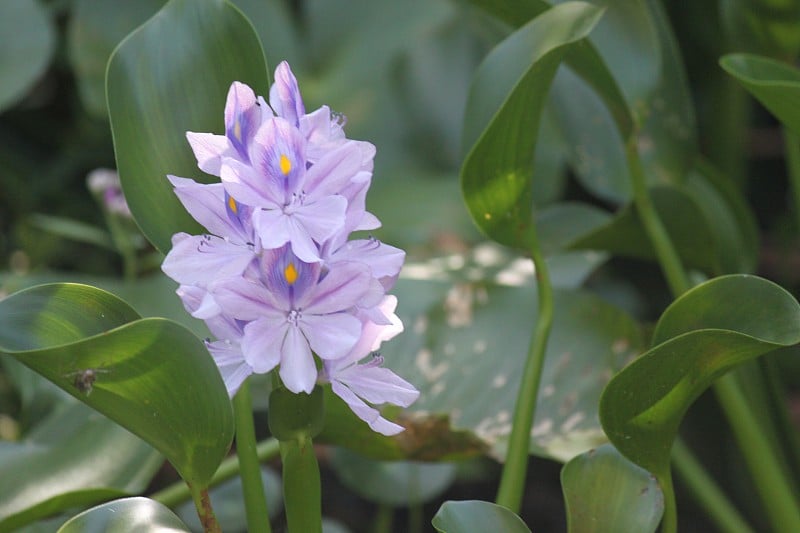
<point>499,381</point>
<point>548,390</point>
<point>542,428</point>
<point>573,420</point>
<point>429,371</point>
<point>458,305</point>
<point>479,346</point>
<point>420,325</point>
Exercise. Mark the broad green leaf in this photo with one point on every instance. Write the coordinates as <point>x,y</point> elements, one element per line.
<point>27,40</point>
<point>151,376</point>
<point>56,467</point>
<point>767,27</point>
<point>168,77</point>
<point>395,483</point>
<point>95,28</point>
<point>475,516</point>
<point>703,334</point>
<point>127,515</point>
<point>462,347</point>
<point>775,84</point>
<point>502,117</point>
<point>606,493</point>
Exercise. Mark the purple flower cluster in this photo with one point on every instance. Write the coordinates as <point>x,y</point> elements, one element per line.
<point>276,278</point>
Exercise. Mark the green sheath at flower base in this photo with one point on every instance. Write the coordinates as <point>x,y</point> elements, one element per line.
<point>296,416</point>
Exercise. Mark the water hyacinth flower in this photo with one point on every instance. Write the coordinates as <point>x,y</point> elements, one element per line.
<point>277,278</point>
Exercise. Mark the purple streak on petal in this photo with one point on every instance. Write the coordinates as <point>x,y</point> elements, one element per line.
<point>333,335</point>
<point>206,204</point>
<point>201,259</point>
<point>284,95</point>
<point>262,343</point>
<point>298,371</point>
<point>341,289</point>
<point>209,149</point>
<point>366,413</point>
<point>274,264</point>
<point>247,186</point>
<point>242,118</point>
<point>278,156</point>
<point>248,300</point>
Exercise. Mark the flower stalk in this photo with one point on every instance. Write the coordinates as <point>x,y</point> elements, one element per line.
<point>512,481</point>
<point>255,501</point>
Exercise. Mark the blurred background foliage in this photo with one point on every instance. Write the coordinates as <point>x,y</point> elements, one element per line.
<point>400,72</point>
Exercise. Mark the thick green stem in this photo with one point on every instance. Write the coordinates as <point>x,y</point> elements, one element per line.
<point>177,493</point>
<point>706,492</point>
<point>770,479</point>
<point>512,481</point>
<point>669,522</point>
<point>301,486</point>
<point>255,501</point>
<point>792,142</point>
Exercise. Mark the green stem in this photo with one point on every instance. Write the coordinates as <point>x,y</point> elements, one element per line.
<point>665,251</point>
<point>301,486</point>
<point>383,519</point>
<point>203,505</point>
<point>512,480</point>
<point>706,492</point>
<point>177,493</point>
<point>771,483</point>
<point>669,522</point>
<point>792,142</point>
<point>255,500</point>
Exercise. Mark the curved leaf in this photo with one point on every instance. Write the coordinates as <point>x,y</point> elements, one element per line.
<point>474,516</point>
<point>168,77</point>
<point>56,466</point>
<point>702,335</point>
<point>151,376</point>
<point>125,516</point>
<point>503,110</point>
<point>775,84</point>
<point>27,40</point>
<point>604,492</point>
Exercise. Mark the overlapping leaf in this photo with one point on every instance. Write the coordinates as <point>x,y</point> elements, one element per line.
<point>151,376</point>
<point>505,103</point>
<point>703,334</point>
<point>123,516</point>
<point>169,77</point>
<point>475,515</point>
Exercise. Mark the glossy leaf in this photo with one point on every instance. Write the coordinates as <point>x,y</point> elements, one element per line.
<point>606,493</point>
<point>152,376</point>
<point>702,335</point>
<point>27,41</point>
<point>474,516</point>
<point>502,117</point>
<point>775,84</point>
<point>169,77</point>
<point>128,515</point>
<point>56,468</point>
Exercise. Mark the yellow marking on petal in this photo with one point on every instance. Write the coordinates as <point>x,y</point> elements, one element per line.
<point>237,130</point>
<point>286,165</point>
<point>290,274</point>
<point>233,205</point>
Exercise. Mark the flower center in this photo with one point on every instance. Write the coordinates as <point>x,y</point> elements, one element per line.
<point>294,316</point>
